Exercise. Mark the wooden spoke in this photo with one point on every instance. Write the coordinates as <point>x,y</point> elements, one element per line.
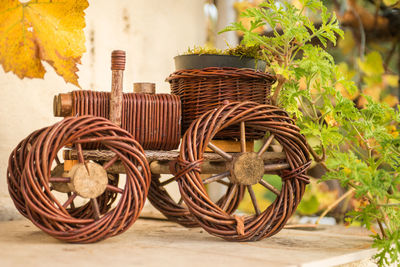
<point>253,199</point>
<point>266,145</point>
<point>276,167</point>
<point>114,189</point>
<point>109,163</point>
<point>80,156</point>
<point>72,203</point>
<point>220,152</point>
<point>96,209</point>
<point>242,137</point>
<point>70,200</point>
<point>80,153</point>
<point>230,196</point>
<point>57,160</point>
<point>170,180</point>
<point>223,182</point>
<point>269,187</point>
<point>59,180</point>
<point>216,177</point>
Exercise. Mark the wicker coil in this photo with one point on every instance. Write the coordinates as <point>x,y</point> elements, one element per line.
<point>209,215</point>
<point>203,89</point>
<point>16,164</point>
<point>96,219</point>
<point>153,120</point>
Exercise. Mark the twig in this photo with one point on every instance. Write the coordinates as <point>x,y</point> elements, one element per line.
<point>315,155</point>
<point>377,8</point>
<point>291,226</point>
<point>362,33</point>
<point>381,228</point>
<point>334,204</point>
<point>391,53</point>
<point>389,204</point>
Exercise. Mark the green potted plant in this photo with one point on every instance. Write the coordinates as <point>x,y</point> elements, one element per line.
<point>237,57</point>
<point>358,147</point>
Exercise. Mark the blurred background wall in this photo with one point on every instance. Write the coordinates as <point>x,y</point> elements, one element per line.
<point>151,32</point>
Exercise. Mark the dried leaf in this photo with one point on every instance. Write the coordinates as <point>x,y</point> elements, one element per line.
<point>392,3</point>
<point>391,80</point>
<point>348,43</point>
<point>391,100</point>
<point>42,30</point>
<point>372,65</point>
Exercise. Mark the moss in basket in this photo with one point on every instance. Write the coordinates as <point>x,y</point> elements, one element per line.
<point>240,50</point>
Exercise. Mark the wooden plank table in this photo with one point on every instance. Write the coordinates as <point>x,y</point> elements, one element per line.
<point>162,243</point>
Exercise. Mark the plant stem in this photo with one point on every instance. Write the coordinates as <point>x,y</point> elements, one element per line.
<point>315,155</point>
<point>281,82</point>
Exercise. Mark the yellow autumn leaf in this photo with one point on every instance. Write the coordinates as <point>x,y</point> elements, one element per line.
<point>340,88</point>
<point>391,80</point>
<point>392,3</point>
<point>372,64</point>
<point>391,100</point>
<point>392,130</point>
<point>242,6</point>
<point>348,43</point>
<point>330,120</point>
<point>374,92</point>
<point>42,30</point>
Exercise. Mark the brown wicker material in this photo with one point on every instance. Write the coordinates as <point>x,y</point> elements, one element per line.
<point>249,116</point>
<point>96,219</point>
<point>153,120</point>
<point>174,211</point>
<point>177,211</point>
<point>203,89</point>
<point>16,163</point>
<point>15,168</point>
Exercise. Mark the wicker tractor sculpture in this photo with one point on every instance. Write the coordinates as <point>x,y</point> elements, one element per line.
<point>220,111</point>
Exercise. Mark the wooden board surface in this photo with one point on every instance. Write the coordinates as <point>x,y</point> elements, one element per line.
<point>162,243</point>
<point>231,146</point>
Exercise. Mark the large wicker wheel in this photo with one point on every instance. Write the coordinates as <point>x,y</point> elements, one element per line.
<point>88,184</point>
<point>245,170</point>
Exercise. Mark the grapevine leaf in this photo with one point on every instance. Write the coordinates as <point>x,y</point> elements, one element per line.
<point>42,30</point>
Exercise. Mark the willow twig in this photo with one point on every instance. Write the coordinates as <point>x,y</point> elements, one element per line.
<point>334,204</point>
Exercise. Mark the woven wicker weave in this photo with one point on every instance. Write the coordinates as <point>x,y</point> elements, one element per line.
<point>208,214</point>
<point>203,89</point>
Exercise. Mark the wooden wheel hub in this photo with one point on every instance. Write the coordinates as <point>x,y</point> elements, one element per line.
<point>88,181</point>
<point>247,169</point>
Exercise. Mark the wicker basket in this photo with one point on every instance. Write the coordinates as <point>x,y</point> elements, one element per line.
<point>203,89</point>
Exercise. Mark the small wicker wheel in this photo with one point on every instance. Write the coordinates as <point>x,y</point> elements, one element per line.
<point>248,115</point>
<point>177,211</point>
<point>96,219</point>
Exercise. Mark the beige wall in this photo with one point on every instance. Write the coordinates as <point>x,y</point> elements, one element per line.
<point>152,32</point>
